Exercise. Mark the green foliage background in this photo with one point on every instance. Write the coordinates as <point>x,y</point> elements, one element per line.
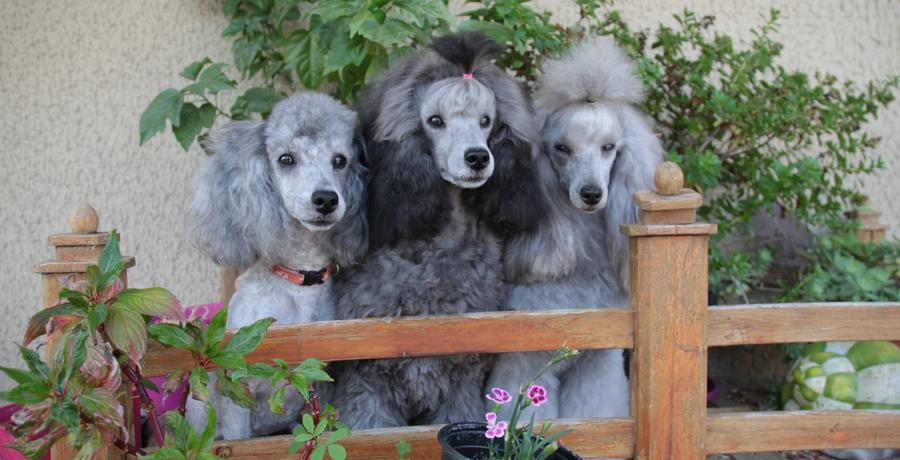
<point>750,134</point>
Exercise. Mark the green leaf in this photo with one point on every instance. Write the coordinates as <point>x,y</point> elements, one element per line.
<point>182,435</point>
<point>102,405</point>
<point>392,32</point>
<point>199,384</point>
<point>209,433</point>
<point>244,53</point>
<point>311,61</point>
<point>190,72</point>
<point>276,401</point>
<point>37,325</point>
<point>337,452</point>
<point>166,453</point>
<point>97,316</point>
<point>259,100</point>
<point>328,11</point>
<point>34,362</point>
<point>238,392</point>
<point>314,370</point>
<point>166,105</point>
<point>255,370</point>
<point>127,331</point>
<point>21,376</point>
<point>154,301</point>
<point>29,393</point>
<point>110,264</point>
<point>211,80</point>
<point>498,32</point>
<point>308,423</point>
<point>295,447</point>
<point>193,121</point>
<point>337,435</point>
<point>215,332</point>
<point>345,51</point>
<point>420,10</point>
<point>173,336</point>
<point>318,453</point>
<point>228,360</point>
<point>247,338</point>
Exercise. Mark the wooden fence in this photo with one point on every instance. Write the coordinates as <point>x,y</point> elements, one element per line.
<point>669,327</point>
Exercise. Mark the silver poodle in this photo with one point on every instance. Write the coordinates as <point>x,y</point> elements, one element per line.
<point>452,147</point>
<point>284,198</point>
<point>598,150</point>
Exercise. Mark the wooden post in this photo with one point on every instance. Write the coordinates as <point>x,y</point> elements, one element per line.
<point>75,251</point>
<point>668,263</point>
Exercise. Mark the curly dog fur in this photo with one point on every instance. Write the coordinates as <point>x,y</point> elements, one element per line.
<point>255,206</point>
<point>452,148</point>
<point>598,150</point>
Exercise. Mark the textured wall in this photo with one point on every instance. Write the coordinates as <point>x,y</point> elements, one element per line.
<point>75,76</point>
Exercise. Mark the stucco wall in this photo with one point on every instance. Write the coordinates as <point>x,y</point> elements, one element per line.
<point>75,76</point>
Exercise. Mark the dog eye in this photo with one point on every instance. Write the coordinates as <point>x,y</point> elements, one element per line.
<point>339,161</point>
<point>562,148</point>
<point>607,147</point>
<point>485,121</point>
<point>287,159</point>
<point>436,121</point>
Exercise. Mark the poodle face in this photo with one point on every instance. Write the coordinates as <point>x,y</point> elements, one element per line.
<point>310,168</point>
<point>457,116</point>
<point>583,142</point>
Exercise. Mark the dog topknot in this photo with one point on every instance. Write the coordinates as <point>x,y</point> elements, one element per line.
<point>468,50</point>
<point>595,70</point>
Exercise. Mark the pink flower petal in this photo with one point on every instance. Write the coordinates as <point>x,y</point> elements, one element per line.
<point>491,418</point>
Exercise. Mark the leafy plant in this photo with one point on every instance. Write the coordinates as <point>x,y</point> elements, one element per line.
<point>521,441</point>
<point>752,135</point>
<point>842,268</point>
<point>280,48</point>
<point>99,332</point>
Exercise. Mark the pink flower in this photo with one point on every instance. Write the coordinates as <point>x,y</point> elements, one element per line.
<point>537,394</point>
<point>495,429</point>
<point>499,396</point>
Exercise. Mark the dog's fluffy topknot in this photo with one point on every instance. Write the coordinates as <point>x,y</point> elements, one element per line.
<point>595,70</point>
<point>468,50</point>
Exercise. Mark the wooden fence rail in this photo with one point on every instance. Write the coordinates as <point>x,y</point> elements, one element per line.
<point>669,327</point>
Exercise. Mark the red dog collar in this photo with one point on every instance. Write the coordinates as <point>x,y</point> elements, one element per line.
<point>303,277</point>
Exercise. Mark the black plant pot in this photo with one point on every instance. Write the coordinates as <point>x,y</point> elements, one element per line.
<point>466,441</point>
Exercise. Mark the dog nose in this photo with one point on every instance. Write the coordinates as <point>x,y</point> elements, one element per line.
<point>591,195</point>
<point>477,158</point>
<point>325,201</point>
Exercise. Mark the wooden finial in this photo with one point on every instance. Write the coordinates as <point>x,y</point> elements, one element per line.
<point>84,219</point>
<point>668,179</point>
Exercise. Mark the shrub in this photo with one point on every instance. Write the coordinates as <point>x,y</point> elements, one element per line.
<point>751,135</point>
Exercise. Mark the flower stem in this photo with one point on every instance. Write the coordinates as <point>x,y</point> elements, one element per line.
<point>313,404</point>
<point>134,374</point>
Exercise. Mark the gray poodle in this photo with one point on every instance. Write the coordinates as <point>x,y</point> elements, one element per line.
<point>452,146</point>
<point>284,198</point>
<point>598,149</point>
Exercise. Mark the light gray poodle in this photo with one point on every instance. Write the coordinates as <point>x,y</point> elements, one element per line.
<point>284,198</point>
<point>598,149</point>
<point>453,142</point>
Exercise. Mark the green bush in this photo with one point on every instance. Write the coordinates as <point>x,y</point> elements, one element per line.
<point>748,133</point>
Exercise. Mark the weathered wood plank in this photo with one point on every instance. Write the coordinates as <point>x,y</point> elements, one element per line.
<point>806,322</point>
<point>794,430</point>
<point>669,229</point>
<point>668,388</point>
<point>589,438</point>
<point>427,336</point>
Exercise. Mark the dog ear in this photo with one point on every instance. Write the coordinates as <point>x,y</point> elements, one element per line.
<point>408,199</point>
<point>511,201</point>
<point>633,171</point>
<point>236,213</point>
<point>362,154</point>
